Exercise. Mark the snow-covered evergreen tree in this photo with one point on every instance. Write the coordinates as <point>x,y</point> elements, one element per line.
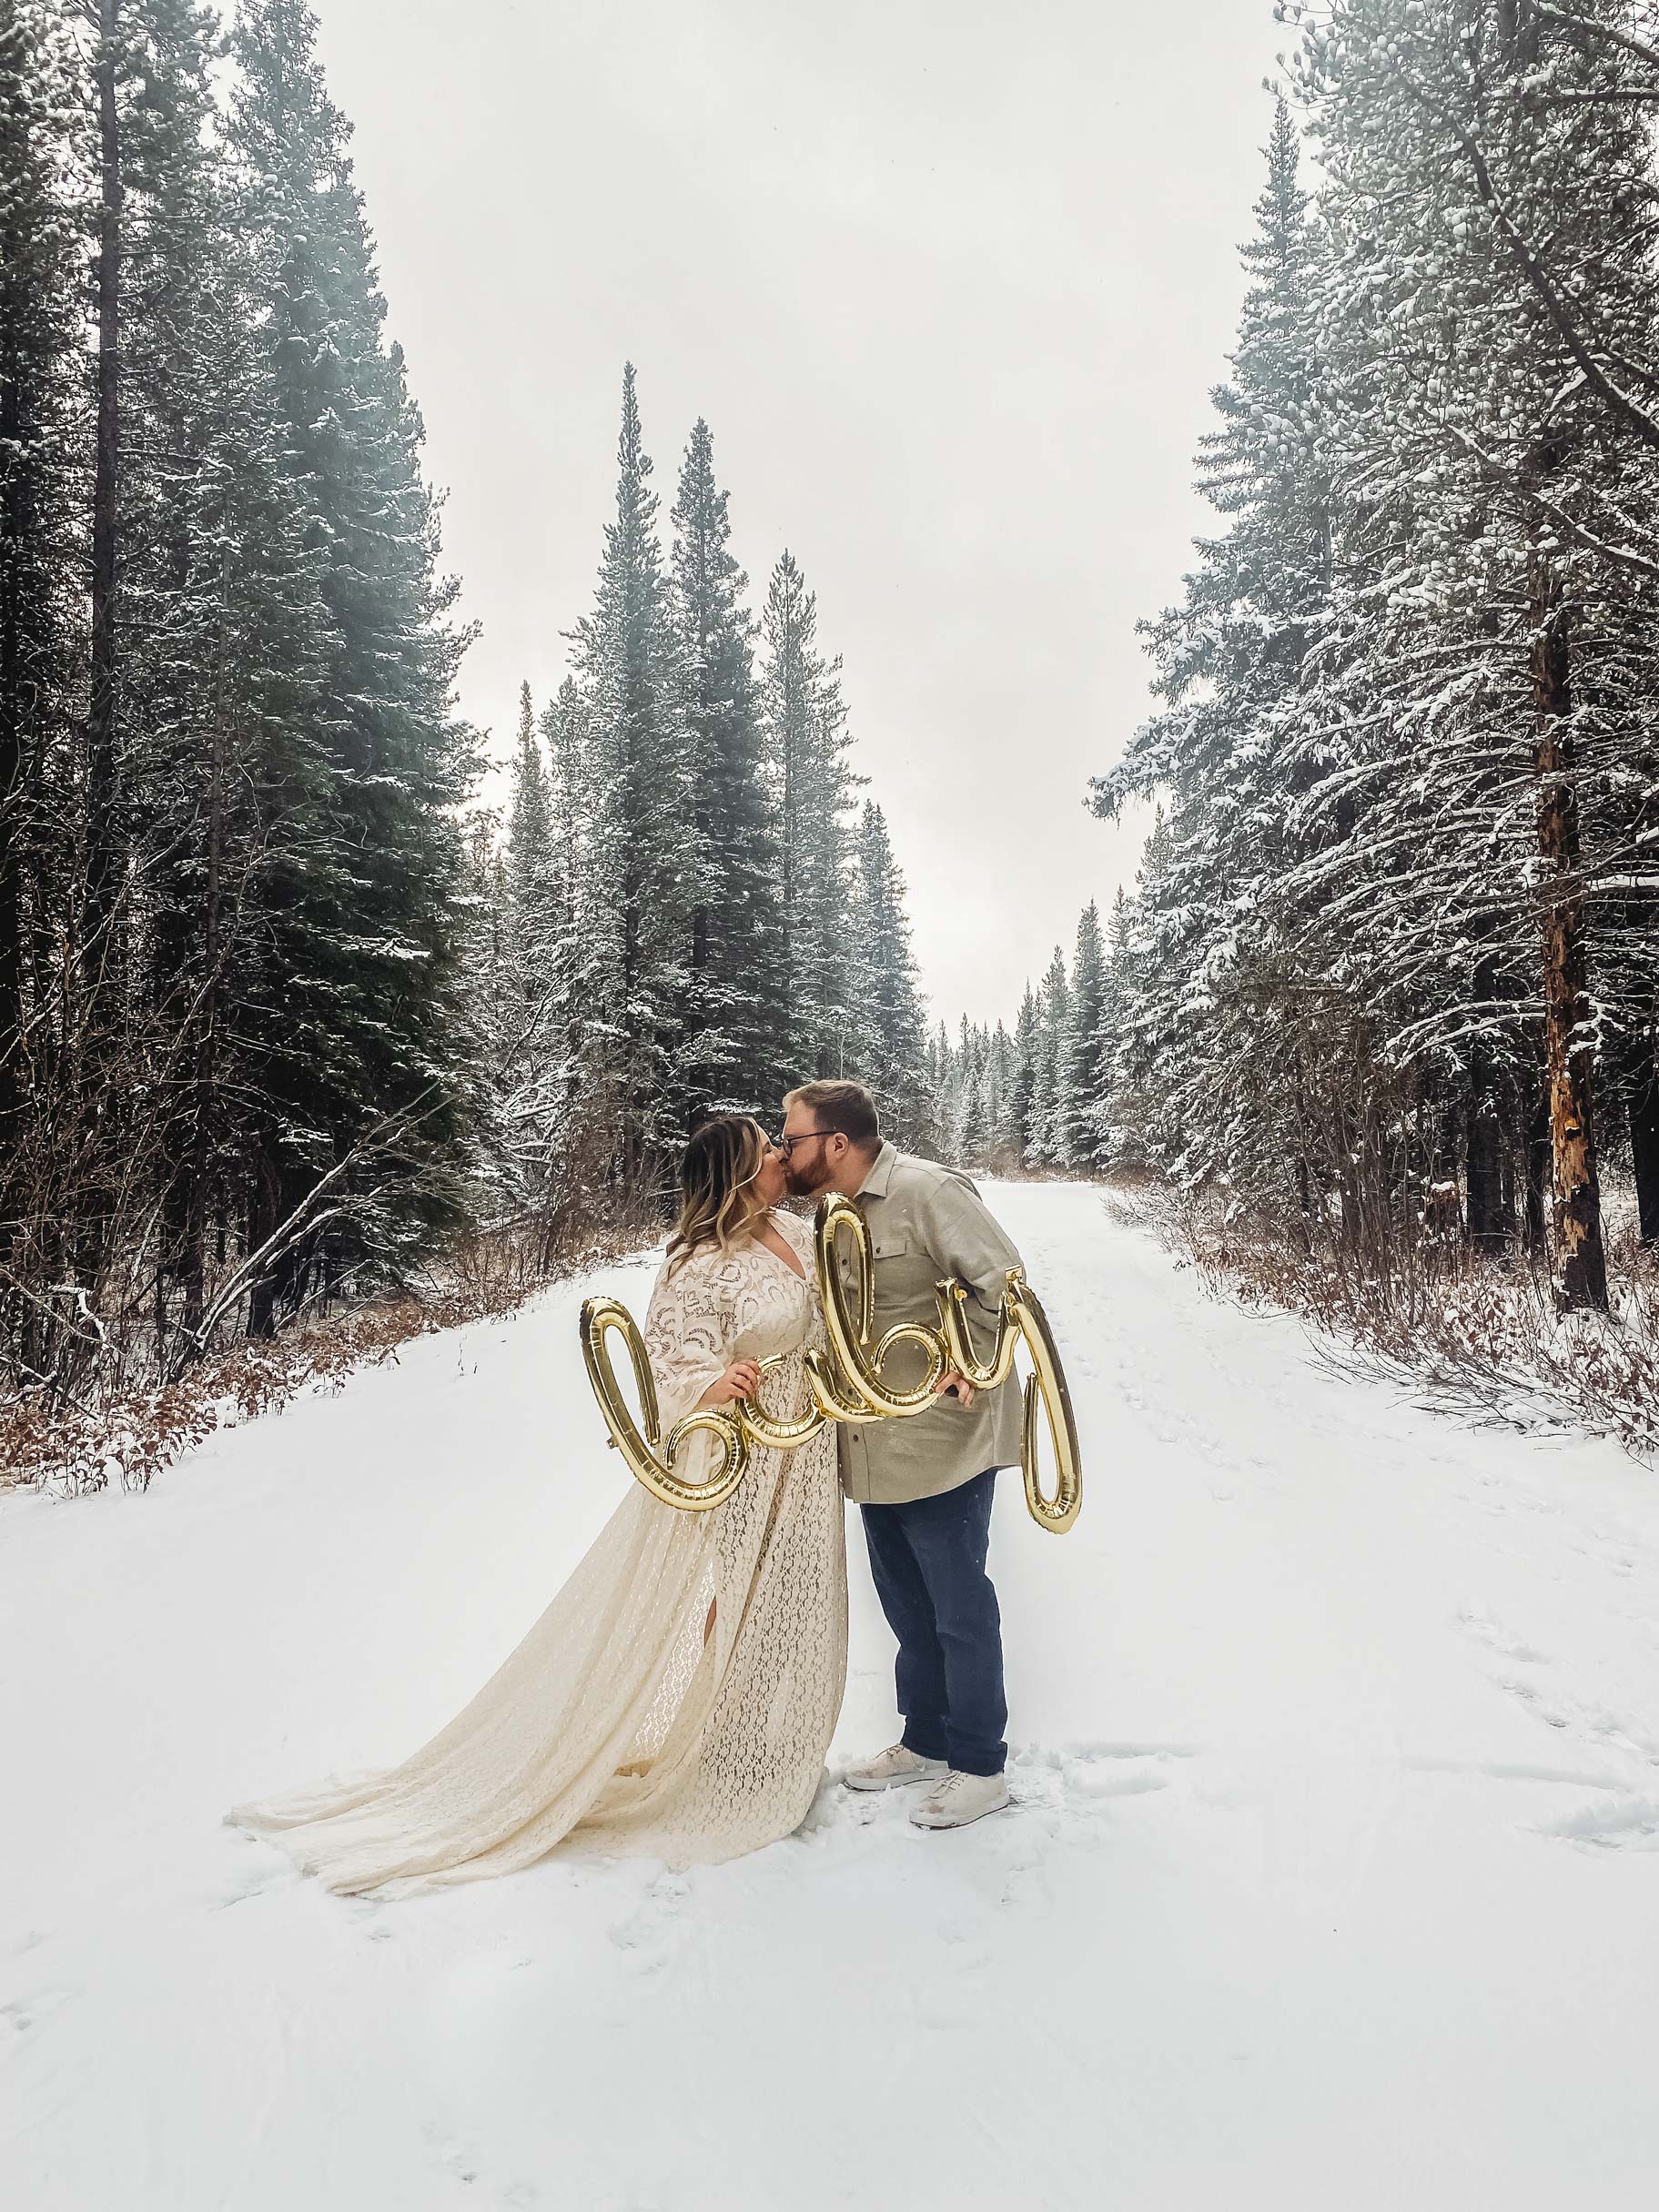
<point>43,557</point>
<point>1228,661</point>
<point>1047,1144</point>
<point>371,1031</point>
<point>1080,1078</point>
<point>531,885</point>
<point>884,994</point>
<point>642,866</point>
<point>734,1018</point>
<point>275,1012</point>
<point>813,788</point>
<point>1020,1109</point>
<point>1490,272</point>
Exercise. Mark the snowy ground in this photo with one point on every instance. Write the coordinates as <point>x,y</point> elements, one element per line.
<point>1332,1879</point>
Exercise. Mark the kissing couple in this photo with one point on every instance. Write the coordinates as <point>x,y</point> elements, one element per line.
<point>677,1698</point>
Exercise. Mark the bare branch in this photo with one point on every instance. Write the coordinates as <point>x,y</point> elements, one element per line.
<point>1644,425</point>
<point>1622,556</point>
<point>1605,32</point>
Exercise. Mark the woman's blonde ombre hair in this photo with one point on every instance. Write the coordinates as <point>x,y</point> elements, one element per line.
<point>717,1175</point>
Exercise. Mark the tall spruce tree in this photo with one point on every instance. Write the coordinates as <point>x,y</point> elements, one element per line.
<point>1494,178</point>
<point>1228,663</point>
<point>1047,1148</point>
<point>643,870</point>
<point>1021,1098</point>
<point>223,780</point>
<point>734,1017</point>
<point>43,557</point>
<point>1081,1080</point>
<point>531,883</point>
<point>813,788</point>
<point>891,1036</point>
<point>371,1051</point>
<point>975,1124</point>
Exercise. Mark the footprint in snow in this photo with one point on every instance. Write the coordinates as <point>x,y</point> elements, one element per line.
<point>1628,1824</point>
<point>1480,1624</point>
<point>642,1936</point>
<point>252,1880</point>
<point>22,2014</point>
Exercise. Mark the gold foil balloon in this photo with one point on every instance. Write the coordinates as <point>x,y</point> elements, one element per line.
<point>600,1319</point>
<point>847,1382</point>
<point>861,1363</point>
<point>1020,1319</point>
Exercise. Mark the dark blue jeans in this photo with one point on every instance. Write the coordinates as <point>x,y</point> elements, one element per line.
<point>928,1560</point>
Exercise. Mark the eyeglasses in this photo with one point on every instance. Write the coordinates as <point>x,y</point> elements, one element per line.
<point>786,1144</point>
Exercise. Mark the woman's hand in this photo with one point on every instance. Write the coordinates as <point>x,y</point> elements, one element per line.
<point>741,1379</point>
<point>958,1386</point>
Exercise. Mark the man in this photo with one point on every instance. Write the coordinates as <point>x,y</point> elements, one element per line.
<point>925,1485</point>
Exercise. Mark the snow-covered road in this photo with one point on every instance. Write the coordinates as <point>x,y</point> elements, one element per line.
<point>1332,1879</point>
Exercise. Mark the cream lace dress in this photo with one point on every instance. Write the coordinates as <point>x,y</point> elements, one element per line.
<point>625,1715</point>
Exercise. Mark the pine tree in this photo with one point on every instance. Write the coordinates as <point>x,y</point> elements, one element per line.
<point>813,788</point>
<point>43,558</point>
<point>630,987</point>
<point>1048,1147</point>
<point>1495,179</point>
<point>1153,1121</point>
<point>491,998</point>
<point>532,887</point>
<point>1002,1143</point>
<point>1081,1079</point>
<point>1021,1108</point>
<point>221,643</point>
<point>1115,1142</point>
<point>974,1123</point>
<point>372,1044</point>
<point>735,1015</point>
<point>943,1077</point>
<point>275,1014</point>
<point>886,1001</point>
<point>1229,663</point>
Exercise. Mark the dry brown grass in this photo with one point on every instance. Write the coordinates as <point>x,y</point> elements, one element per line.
<point>1470,1334</point>
<point>77,1447</point>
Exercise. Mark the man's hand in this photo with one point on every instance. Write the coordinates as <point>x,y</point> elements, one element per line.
<point>958,1386</point>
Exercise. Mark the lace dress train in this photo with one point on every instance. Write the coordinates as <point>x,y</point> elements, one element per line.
<point>678,1696</point>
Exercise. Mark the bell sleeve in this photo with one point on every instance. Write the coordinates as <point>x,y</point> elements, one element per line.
<point>688,1328</point>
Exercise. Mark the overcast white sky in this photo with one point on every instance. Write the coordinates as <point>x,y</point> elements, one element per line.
<point>950,280</point>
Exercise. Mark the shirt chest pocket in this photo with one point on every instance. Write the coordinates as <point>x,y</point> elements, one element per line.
<point>903,1276</point>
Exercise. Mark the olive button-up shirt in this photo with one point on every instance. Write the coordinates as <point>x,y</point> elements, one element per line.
<point>927,1222</point>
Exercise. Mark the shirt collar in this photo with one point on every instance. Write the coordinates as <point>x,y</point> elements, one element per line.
<point>874,1185</point>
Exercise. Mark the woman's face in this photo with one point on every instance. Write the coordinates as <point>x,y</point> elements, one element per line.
<point>772,1181</point>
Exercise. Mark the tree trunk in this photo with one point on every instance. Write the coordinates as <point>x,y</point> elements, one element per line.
<point>1536,1162</point>
<point>1580,1261</point>
<point>1488,1229</point>
<point>103,857</point>
<point>1518,29</point>
<point>1483,1135</point>
<point>204,1131</point>
<point>1644,1133</point>
<point>15,527</point>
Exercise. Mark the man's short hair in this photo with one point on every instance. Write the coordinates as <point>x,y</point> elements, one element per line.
<point>846,1106</point>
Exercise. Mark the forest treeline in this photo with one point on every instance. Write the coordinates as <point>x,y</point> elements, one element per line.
<point>686,908</point>
<point>284,1010</point>
<point>1390,971</point>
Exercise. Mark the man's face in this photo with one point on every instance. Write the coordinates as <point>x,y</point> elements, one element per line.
<point>812,1154</point>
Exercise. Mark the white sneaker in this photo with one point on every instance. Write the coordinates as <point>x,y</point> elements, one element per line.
<point>892,1769</point>
<point>961,1798</point>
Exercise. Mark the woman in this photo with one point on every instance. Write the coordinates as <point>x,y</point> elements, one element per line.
<point>678,1696</point>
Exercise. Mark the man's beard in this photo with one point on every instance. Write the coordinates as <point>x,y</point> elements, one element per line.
<point>804,1182</point>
